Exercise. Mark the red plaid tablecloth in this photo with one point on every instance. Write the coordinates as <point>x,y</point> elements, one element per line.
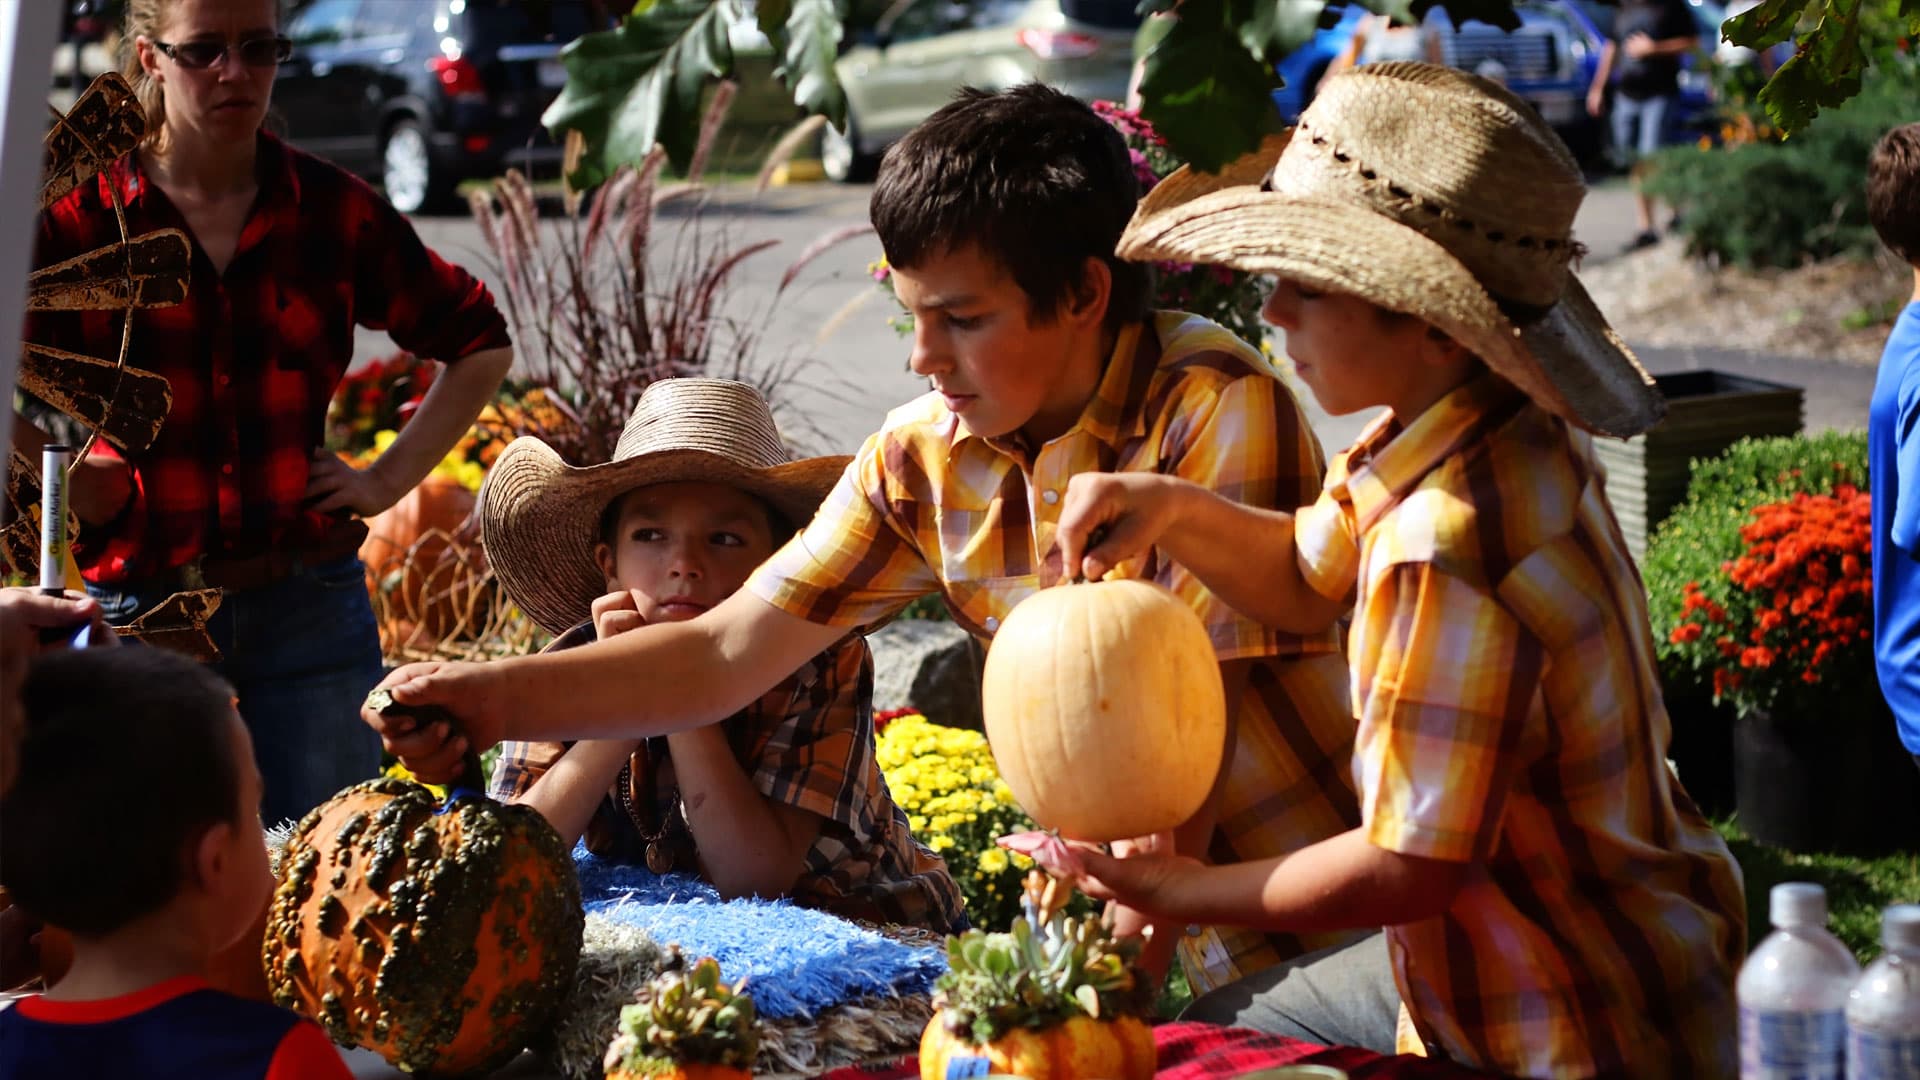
<point>1196,1051</point>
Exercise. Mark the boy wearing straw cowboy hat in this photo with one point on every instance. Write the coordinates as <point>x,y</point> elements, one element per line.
<point>1554,904</point>
<point>784,797</point>
<point>999,216</point>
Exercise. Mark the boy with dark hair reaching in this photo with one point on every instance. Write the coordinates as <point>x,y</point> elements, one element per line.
<point>999,216</point>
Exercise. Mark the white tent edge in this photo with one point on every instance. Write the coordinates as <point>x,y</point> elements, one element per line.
<point>29,34</point>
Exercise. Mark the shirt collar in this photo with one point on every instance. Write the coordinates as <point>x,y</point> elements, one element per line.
<point>1388,460</point>
<point>273,165</point>
<point>1117,410</point>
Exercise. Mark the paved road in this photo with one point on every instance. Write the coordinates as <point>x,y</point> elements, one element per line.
<point>857,364</point>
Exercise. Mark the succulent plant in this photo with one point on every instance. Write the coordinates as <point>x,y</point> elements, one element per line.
<point>685,1017</point>
<point>1049,969</point>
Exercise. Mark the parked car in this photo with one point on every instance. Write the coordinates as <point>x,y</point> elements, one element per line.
<point>912,63</point>
<point>422,94</point>
<point>1549,62</point>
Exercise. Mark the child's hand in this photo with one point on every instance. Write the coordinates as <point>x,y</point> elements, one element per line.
<point>1133,509</point>
<point>434,752</point>
<point>1141,880</point>
<point>616,613</point>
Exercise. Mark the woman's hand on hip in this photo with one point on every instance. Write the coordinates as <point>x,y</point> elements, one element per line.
<point>332,484</point>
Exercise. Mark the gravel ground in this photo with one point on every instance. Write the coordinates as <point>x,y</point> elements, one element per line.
<point>1837,311</point>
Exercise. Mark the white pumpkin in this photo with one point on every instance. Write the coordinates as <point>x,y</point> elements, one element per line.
<point>1104,709</point>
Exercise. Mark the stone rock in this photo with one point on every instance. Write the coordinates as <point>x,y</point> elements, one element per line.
<point>929,665</point>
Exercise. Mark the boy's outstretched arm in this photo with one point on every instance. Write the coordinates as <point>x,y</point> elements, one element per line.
<point>1342,882</point>
<point>1245,555</point>
<point>649,681</point>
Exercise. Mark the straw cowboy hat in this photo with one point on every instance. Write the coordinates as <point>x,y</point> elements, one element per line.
<point>540,517</point>
<point>1428,191</point>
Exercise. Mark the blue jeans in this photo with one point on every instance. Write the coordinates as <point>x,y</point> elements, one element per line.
<point>1639,127</point>
<point>1343,996</point>
<point>302,653</point>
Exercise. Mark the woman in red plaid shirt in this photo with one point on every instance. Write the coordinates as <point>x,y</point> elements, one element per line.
<point>289,254</point>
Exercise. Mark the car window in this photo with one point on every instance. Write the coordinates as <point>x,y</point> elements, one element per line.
<point>930,18</point>
<point>380,18</point>
<point>324,22</point>
<point>1107,14</point>
<point>525,22</point>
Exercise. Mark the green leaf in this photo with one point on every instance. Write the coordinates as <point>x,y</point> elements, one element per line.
<point>1274,28</point>
<point>1766,25</point>
<point>641,83</point>
<point>1209,96</point>
<point>811,45</point>
<point>1824,72</point>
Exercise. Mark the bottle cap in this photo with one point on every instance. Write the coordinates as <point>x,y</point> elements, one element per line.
<point>1900,927</point>
<point>1797,903</point>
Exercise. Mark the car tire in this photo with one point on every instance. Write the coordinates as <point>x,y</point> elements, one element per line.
<point>841,157</point>
<point>413,180</point>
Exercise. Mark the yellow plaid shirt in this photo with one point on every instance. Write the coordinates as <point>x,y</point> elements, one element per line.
<point>1503,672</point>
<point>927,506</point>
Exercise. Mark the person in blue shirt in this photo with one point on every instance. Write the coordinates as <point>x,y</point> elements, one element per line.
<point>1893,440</point>
<point>134,824</point>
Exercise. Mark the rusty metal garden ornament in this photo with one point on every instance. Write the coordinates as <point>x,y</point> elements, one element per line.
<point>113,400</point>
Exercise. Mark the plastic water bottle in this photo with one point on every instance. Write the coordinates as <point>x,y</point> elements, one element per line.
<point>1883,1012</point>
<point>1793,993</point>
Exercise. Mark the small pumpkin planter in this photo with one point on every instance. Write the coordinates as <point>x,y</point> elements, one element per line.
<point>425,569</point>
<point>685,1025</point>
<point>1104,708</point>
<point>1055,999</point>
<point>441,936</point>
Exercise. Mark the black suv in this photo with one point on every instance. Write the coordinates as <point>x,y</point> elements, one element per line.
<point>422,94</point>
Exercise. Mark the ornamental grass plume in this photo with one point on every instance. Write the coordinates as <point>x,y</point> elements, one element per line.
<point>1791,624</point>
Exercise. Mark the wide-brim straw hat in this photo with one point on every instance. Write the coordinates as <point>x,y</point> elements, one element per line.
<point>1428,191</point>
<point>540,517</point>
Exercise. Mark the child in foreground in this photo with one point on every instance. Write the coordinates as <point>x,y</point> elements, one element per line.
<point>1554,905</point>
<point>785,797</point>
<point>134,823</point>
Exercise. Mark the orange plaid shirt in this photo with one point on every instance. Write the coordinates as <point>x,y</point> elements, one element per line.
<point>927,506</point>
<point>1510,716</point>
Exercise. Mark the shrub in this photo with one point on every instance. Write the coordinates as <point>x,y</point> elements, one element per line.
<point>1772,203</point>
<point>1796,624</point>
<point>1700,541</point>
<point>956,803</point>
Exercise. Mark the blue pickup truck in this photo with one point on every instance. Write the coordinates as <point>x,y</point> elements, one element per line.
<point>1549,62</point>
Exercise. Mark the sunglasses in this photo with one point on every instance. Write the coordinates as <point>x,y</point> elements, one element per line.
<point>254,52</point>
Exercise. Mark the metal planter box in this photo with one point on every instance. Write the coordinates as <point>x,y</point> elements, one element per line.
<point>1707,411</point>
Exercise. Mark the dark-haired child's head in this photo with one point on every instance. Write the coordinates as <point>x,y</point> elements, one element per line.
<point>1893,191</point>
<point>137,794</point>
<point>681,548</point>
<point>1032,177</point>
<point>999,215</point>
